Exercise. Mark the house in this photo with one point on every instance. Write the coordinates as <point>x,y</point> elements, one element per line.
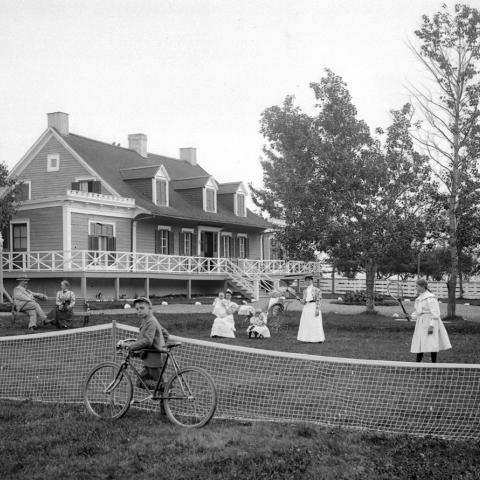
<point>123,221</point>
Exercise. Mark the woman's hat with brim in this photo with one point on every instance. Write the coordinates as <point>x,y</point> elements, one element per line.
<point>228,291</point>
<point>22,277</point>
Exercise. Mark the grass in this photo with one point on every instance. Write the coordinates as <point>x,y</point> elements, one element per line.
<point>62,441</point>
<point>39,441</point>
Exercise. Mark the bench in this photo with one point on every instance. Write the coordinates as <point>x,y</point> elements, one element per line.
<point>81,305</point>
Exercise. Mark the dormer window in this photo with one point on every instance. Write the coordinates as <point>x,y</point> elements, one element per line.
<point>240,210</point>
<point>160,188</point>
<point>53,162</point>
<point>210,196</point>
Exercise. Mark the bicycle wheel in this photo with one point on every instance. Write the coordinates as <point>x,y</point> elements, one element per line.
<point>104,398</point>
<point>191,397</point>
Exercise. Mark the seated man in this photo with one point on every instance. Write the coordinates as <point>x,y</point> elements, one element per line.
<point>151,336</point>
<point>24,301</point>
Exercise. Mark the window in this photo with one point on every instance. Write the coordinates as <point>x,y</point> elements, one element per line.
<point>53,162</point>
<point>163,241</point>
<point>242,251</point>
<point>187,243</point>
<point>226,246</point>
<point>101,237</point>
<point>210,200</point>
<point>91,186</point>
<point>240,205</point>
<point>276,252</point>
<point>19,237</point>
<point>24,191</point>
<point>162,192</point>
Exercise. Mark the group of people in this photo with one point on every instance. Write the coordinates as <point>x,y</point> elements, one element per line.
<point>26,301</point>
<point>430,335</point>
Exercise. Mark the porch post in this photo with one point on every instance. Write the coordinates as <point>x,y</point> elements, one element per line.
<point>189,288</point>
<point>117,288</point>
<point>83,287</point>
<point>147,287</point>
<point>1,268</point>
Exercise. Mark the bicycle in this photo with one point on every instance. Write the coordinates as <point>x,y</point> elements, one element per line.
<point>189,396</point>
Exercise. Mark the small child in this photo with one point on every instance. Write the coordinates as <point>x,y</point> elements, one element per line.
<point>258,325</point>
<point>151,336</point>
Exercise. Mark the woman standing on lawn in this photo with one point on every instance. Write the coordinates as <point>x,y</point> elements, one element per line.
<point>311,325</point>
<point>430,334</point>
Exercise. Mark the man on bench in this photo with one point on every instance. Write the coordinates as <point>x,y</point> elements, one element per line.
<point>152,336</point>
<point>24,301</point>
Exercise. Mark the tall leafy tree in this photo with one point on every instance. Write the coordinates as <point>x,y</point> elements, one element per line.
<point>450,53</point>
<point>9,189</point>
<point>337,188</point>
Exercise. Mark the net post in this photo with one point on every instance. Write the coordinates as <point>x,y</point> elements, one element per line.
<point>114,339</point>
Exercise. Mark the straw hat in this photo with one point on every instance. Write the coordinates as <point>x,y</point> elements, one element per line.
<point>22,276</point>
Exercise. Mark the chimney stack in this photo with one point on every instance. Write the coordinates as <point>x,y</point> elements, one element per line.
<point>189,154</point>
<point>138,142</point>
<point>59,121</point>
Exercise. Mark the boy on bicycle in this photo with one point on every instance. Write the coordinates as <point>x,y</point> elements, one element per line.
<point>152,336</point>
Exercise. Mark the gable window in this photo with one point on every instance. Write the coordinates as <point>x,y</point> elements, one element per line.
<point>24,191</point>
<point>210,200</point>
<point>240,205</point>
<point>53,162</point>
<point>101,237</point>
<point>164,240</point>
<point>87,185</point>
<point>162,192</point>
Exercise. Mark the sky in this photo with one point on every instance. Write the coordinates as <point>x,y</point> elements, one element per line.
<point>196,73</point>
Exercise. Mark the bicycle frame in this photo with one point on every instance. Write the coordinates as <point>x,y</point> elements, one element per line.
<point>152,393</point>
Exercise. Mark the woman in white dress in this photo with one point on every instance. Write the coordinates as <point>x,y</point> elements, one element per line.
<point>223,309</point>
<point>311,325</point>
<point>430,334</point>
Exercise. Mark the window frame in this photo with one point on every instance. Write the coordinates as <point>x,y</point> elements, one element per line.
<point>237,212</point>
<point>20,221</point>
<point>50,157</point>
<point>205,199</point>
<point>29,183</point>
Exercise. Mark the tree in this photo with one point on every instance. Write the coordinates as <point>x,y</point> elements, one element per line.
<point>336,187</point>
<point>450,52</point>
<point>9,189</point>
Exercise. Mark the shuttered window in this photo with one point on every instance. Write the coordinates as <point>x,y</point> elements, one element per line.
<point>164,242</point>
<point>102,237</point>
<point>242,247</point>
<point>226,246</point>
<point>88,186</point>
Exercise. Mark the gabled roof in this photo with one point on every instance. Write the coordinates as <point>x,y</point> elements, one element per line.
<point>113,162</point>
<point>229,188</point>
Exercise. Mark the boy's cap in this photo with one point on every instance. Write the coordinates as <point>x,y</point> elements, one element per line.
<point>142,300</point>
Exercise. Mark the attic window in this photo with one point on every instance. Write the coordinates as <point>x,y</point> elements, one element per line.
<point>161,187</point>
<point>53,162</point>
<point>240,205</point>
<point>210,200</point>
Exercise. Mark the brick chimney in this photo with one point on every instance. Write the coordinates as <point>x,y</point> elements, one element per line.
<point>138,142</point>
<point>189,154</point>
<point>59,121</point>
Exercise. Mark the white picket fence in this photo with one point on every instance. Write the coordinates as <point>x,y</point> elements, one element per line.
<point>471,290</point>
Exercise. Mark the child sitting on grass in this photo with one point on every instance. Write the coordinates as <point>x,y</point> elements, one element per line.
<point>152,336</point>
<point>258,325</point>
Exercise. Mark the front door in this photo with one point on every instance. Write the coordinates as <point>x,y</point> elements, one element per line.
<point>209,244</point>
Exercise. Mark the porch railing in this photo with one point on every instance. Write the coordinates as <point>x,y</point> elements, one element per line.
<point>100,261</point>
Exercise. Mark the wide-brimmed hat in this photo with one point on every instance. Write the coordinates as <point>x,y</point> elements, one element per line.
<point>23,276</point>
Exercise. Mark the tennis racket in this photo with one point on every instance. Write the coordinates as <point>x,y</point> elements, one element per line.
<point>395,290</point>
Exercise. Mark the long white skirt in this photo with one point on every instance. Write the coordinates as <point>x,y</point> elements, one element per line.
<point>223,327</point>
<point>311,327</point>
<point>423,342</point>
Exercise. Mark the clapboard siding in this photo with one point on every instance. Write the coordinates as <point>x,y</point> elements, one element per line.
<point>47,184</point>
<point>227,201</point>
<point>46,225</point>
<point>143,186</point>
<point>146,237</point>
<point>123,231</point>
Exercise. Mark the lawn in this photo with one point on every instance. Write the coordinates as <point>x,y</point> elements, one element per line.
<point>39,441</point>
<point>51,440</point>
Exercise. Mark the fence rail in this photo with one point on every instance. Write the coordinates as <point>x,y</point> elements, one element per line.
<point>471,290</point>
